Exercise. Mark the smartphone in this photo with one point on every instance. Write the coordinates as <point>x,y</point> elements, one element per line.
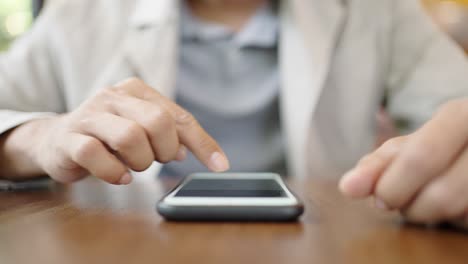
<point>26,185</point>
<point>231,197</point>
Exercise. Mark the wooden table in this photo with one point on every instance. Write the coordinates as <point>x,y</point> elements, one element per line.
<point>92,222</point>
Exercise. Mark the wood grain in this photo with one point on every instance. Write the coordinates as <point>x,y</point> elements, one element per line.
<point>93,222</point>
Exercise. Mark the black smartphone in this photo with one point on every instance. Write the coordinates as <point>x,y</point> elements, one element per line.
<point>231,197</point>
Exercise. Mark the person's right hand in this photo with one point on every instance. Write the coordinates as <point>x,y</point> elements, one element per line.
<point>126,126</point>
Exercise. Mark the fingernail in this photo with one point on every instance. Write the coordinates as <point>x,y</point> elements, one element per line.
<point>126,179</point>
<point>343,184</point>
<point>352,185</point>
<point>181,153</point>
<point>348,175</point>
<point>381,204</point>
<point>218,162</point>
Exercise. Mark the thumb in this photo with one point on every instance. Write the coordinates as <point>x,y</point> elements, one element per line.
<point>361,180</point>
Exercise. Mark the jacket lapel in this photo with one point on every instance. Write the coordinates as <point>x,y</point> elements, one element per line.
<point>309,33</point>
<point>149,52</point>
<point>151,48</point>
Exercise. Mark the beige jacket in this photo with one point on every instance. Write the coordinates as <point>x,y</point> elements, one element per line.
<point>338,59</point>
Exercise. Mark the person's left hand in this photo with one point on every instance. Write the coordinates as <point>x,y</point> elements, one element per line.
<point>423,175</point>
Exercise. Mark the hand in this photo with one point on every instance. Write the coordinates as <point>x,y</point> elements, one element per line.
<point>126,126</point>
<point>423,175</point>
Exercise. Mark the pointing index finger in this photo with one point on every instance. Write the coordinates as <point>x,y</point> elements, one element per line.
<point>198,141</point>
<point>190,132</point>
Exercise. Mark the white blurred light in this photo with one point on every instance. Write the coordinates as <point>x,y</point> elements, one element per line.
<point>17,23</point>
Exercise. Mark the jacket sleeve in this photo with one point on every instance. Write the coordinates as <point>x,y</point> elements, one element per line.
<point>426,67</point>
<point>30,85</point>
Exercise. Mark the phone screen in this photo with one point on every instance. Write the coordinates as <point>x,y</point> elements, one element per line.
<point>231,188</point>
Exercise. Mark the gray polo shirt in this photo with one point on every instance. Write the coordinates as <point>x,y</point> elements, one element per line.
<point>230,83</point>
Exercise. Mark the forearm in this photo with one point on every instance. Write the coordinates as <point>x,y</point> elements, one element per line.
<point>17,151</point>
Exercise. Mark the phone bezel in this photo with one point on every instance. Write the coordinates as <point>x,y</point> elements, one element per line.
<point>289,200</point>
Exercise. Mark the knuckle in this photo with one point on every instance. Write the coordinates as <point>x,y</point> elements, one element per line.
<point>388,197</point>
<point>418,159</point>
<point>88,148</point>
<point>128,137</point>
<point>134,83</point>
<point>126,82</point>
<point>372,158</point>
<point>84,122</point>
<point>130,83</point>
<point>393,143</point>
<point>365,158</point>
<point>391,196</point>
<point>390,148</point>
<point>105,93</point>
<point>186,119</point>
<point>165,119</point>
<point>103,98</point>
<point>145,164</point>
<point>112,175</point>
<point>168,153</point>
<point>164,158</point>
<point>207,144</point>
<point>159,120</point>
<point>162,134</point>
<point>449,106</point>
<point>457,106</point>
<point>442,201</point>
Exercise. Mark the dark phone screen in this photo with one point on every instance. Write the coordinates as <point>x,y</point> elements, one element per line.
<point>231,188</point>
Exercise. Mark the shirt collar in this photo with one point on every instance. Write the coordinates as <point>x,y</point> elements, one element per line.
<point>260,31</point>
<point>154,13</point>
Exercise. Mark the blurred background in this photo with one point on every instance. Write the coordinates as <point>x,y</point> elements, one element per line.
<point>452,16</point>
<point>16,17</point>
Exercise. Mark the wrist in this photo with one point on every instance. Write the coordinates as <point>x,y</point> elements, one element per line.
<point>20,149</point>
